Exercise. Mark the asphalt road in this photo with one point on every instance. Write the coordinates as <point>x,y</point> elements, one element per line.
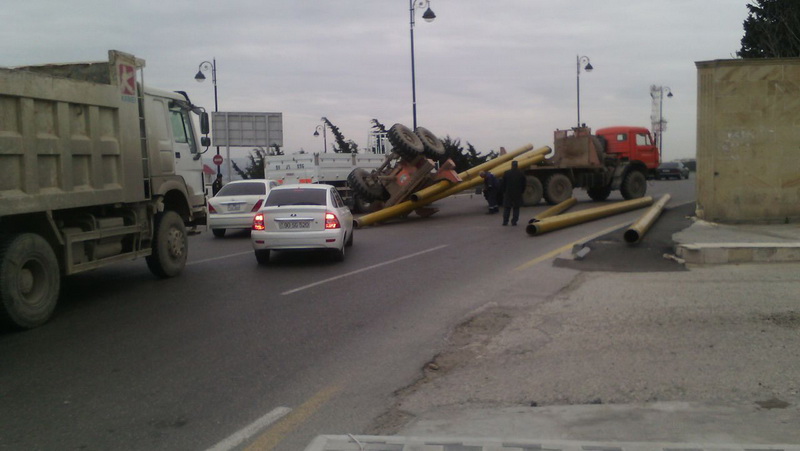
<point>301,347</point>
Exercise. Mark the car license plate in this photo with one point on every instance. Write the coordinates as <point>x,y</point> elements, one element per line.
<point>234,207</point>
<point>294,225</point>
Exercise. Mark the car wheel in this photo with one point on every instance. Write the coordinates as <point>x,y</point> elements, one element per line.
<point>262,256</point>
<point>338,254</point>
<point>349,241</point>
<point>219,233</point>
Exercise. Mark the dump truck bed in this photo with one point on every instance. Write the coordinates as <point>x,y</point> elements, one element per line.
<point>70,142</point>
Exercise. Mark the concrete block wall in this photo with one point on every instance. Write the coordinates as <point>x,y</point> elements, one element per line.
<point>748,140</point>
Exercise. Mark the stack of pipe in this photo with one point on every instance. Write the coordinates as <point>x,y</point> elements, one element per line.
<point>590,214</point>
<point>470,178</point>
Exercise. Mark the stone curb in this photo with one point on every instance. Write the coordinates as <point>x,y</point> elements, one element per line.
<point>400,443</point>
<point>724,253</point>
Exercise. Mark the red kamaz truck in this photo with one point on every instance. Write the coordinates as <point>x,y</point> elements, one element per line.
<point>615,158</point>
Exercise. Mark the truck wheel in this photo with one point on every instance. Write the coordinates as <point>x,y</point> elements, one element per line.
<point>557,188</point>
<point>365,186</point>
<point>533,191</point>
<point>219,233</point>
<point>599,193</point>
<point>405,142</point>
<point>634,185</point>
<point>433,146</point>
<point>170,245</point>
<point>29,280</point>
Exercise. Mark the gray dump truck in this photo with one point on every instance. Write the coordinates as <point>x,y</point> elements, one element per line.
<point>97,169</point>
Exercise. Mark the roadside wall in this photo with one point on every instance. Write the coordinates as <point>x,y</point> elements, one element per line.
<point>748,140</point>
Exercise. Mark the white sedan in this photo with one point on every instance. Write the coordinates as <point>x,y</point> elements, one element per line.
<point>236,204</point>
<point>304,216</point>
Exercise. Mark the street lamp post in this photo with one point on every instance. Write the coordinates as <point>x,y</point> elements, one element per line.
<point>205,66</point>
<point>588,68</point>
<point>428,15</point>
<point>660,127</point>
<point>324,135</point>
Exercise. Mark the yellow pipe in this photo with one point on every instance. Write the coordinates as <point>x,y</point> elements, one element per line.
<point>555,210</point>
<point>410,205</point>
<point>590,214</point>
<point>474,171</point>
<point>637,230</point>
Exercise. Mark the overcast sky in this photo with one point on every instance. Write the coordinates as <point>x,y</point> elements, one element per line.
<point>492,73</point>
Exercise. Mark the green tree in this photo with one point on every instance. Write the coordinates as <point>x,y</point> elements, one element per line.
<point>257,161</point>
<point>464,159</point>
<point>342,145</point>
<point>771,30</point>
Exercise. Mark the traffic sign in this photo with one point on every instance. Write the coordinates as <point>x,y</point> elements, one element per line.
<point>217,159</point>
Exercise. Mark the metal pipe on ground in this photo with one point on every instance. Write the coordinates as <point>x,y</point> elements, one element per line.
<point>410,205</point>
<point>637,230</point>
<point>590,214</point>
<point>554,210</point>
<point>474,171</point>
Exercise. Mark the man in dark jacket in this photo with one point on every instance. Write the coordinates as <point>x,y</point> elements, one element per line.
<point>512,188</point>
<point>491,186</point>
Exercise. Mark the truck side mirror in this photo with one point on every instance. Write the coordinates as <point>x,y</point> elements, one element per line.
<point>204,128</point>
<point>205,141</point>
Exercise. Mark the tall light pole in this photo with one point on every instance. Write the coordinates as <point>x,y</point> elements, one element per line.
<point>324,135</point>
<point>657,94</point>
<point>205,66</point>
<point>588,68</point>
<point>428,15</point>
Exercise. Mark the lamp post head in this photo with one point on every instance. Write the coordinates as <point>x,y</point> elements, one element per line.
<point>428,15</point>
<point>669,94</point>
<point>200,77</point>
<point>588,67</point>
<point>316,133</point>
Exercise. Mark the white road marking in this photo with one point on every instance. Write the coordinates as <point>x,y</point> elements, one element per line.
<point>341,276</point>
<point>206,260</point>
<point>250,430</point>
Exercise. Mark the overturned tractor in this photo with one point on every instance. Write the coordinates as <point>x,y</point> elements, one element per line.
<point>417,161</point>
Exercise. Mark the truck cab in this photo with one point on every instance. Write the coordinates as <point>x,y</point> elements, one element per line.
<point>634,144</point>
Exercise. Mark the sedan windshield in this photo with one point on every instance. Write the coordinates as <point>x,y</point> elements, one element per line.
<point>298,196</point>
<point>243,189</point>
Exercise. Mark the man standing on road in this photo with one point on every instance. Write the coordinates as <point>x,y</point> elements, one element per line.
<point>490,189</point>
<point>512,188</point>
<point>217,185</point>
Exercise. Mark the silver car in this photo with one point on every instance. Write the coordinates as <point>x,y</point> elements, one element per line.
<point>304,216</point>
<point>236,204</point>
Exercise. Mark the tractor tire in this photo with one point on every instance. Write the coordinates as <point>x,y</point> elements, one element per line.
<point>367,189</point>
<point>170,245</point>
<point>634,185</point>
<point>599,193</point>
<point>557,188</point>
<point>433,146</point>
<point>29,280</point>
<point>533,191</point>
<point>405,142</point>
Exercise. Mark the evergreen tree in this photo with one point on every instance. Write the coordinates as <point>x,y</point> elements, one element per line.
<point>771,30</point>
<point>342,145</point>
